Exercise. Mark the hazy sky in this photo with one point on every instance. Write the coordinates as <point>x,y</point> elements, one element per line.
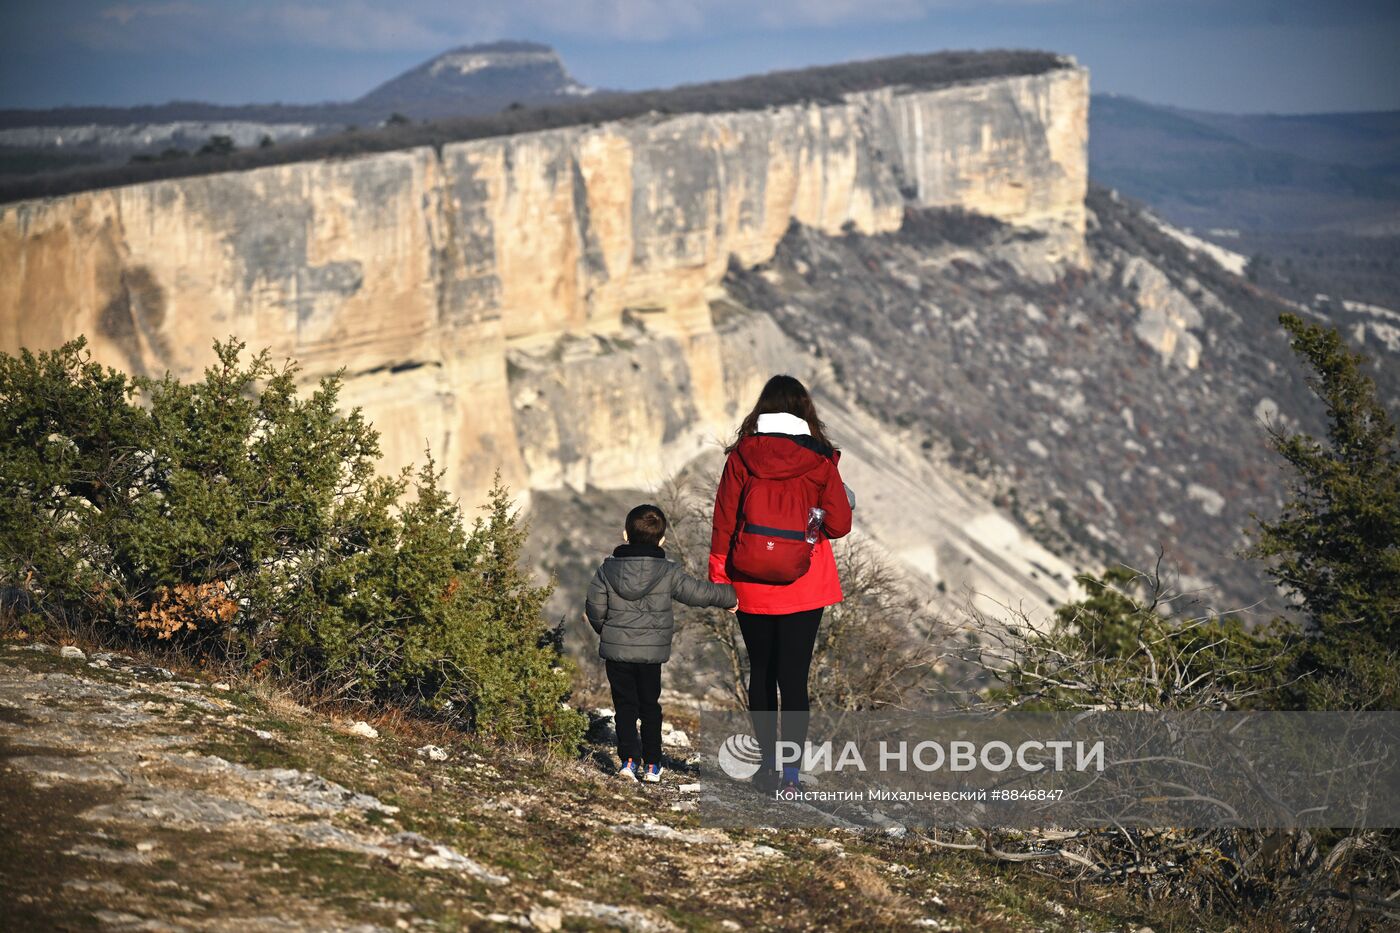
<point>1234,55</point>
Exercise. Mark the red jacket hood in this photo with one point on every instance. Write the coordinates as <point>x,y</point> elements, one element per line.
<point>783,456</point>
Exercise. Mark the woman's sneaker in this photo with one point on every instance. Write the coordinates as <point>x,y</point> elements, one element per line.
<point>653,774</point>
<point>628,770</point>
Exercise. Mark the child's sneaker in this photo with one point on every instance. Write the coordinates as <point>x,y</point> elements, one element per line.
<point>628,770</point>
<point>653,774</point>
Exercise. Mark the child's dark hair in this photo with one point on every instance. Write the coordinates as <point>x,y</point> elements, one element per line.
<point>646,524</point>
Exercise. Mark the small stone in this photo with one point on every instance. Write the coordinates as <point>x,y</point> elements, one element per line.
<point>222,686</point>
<point>145,846</point>
<point>401,923</point>
<point>730,925</point>
<point>676,738</point>
<point>765,851</point>
<point>689,788</point>
<point>264,735</point>
<point>364,729</point>
<point>70,651</point>
<point>547,918</point>
<point>433,753</point>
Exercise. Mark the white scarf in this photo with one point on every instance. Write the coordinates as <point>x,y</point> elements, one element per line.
<point>781,422</point>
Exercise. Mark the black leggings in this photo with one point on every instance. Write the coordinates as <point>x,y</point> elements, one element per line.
<point>780,657</point>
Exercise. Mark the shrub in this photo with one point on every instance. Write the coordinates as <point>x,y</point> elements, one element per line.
<point>1115,649</point>
<point>1336,544</point>
<point>73,458</point>
<point>241,520</point>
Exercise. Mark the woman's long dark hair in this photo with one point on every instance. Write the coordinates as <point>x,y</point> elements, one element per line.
<point>784,394</point>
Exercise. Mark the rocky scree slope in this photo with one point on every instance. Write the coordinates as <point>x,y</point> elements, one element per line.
<point>1118,408</point>
<point>139,798</point>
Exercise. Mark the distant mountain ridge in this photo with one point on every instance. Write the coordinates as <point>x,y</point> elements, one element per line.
<point>470,80</point>
<point>1261,172</point>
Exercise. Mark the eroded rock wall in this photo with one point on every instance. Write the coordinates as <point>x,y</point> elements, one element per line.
<point>423,274</point>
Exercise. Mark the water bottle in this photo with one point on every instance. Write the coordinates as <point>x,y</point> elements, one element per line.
<point>814,524</point>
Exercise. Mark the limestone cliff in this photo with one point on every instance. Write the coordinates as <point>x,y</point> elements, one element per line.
<point>449,285</point>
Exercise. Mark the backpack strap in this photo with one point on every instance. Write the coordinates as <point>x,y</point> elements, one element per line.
<point>775,532</point>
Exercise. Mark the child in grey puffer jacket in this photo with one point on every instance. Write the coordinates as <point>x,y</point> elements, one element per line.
<point>630,607</point>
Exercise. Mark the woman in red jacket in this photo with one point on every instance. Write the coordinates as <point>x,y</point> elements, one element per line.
<point>780,466</point>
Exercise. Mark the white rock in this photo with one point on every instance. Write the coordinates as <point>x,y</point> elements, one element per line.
<point>145,846</point>
<point>689,788</point>
<point>676,738</point>
<point>547,918</point>
<point>363,728</point>
<point>1210,501</point>
<point>264,735</point>
<point>433,753</point>
<point>222,686</point>
<point>669,833</point>
<point>69,651</point>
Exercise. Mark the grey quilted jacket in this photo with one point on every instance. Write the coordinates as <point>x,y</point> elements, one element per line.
<point>629,603</point>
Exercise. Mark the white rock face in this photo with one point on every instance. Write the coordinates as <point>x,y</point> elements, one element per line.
<point>441,280</point>
<point>68,651</point>
<point>1165,315</point>
<point>433,753</point>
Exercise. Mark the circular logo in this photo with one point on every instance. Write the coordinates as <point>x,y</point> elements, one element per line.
<point>740,757</point>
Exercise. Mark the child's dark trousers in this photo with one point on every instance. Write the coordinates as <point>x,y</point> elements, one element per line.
<point>636,694</point>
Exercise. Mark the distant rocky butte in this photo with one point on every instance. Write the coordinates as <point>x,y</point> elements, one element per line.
<point>501,72</point>
<point>437,280</point>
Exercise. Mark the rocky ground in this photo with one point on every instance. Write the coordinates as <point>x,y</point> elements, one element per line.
<point>138,798</point>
